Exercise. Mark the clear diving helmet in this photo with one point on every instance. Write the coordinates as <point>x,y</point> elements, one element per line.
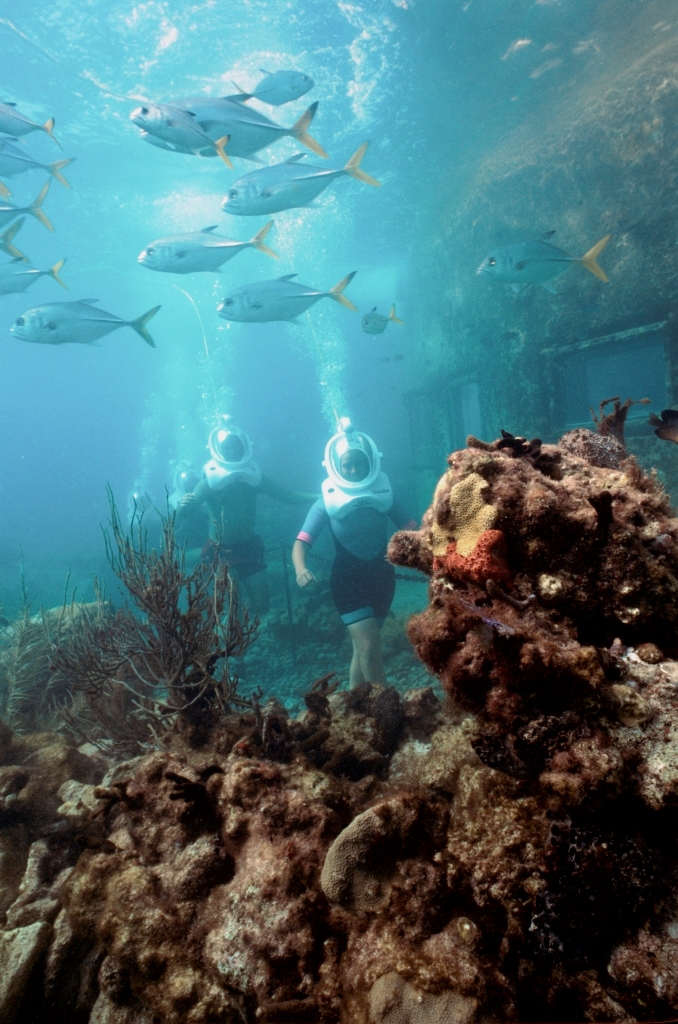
<point>230,446</point>
<point>186,478</point>
<point>348,439</point>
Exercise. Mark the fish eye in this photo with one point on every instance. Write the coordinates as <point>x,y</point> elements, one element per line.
<point>228,302</point>
<point>51,326</point>
<point>150,251</point>
<point>180,255</point>
<point>491,262</point>
<point>144,110</point>
<point>233,193</point>
<point>20,322</point>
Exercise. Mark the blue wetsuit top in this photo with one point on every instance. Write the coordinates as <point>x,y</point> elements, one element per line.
<point>363,531</point>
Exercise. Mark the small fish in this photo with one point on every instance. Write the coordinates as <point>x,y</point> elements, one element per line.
<point>667,426</point>
<point>9,212</point>
<point>17,276</point>
<point>14,161</point>
<point>199,250</point>
<point>178,129</point>
<point>59,323</point>
<point>538,262</point>
<point>247,129</point>
<point>280,299</point>
<point>279,87</point>
<point>375,323</point>
<point>13,122</point>
<point>398,357</point>
<point>288,185</point>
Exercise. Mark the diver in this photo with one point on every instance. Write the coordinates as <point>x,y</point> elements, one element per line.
<point>357,502</point>
<point>231,483</point>
<point>194,534</point>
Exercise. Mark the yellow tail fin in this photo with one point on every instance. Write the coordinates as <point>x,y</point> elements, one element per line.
<point>589,259</point>
<point>139,325</point>
<point>258,241</point>
<point>6,241</point>
<point>54,273</point>
<point>335,293</point>
<point>392,316</point>
<point>4,191</point>
<point>54,170</point>
<point>300,133</point>
<point>219,145</point>
<point>353,167</point>
<point>47,127</point>
<point>35,208</point>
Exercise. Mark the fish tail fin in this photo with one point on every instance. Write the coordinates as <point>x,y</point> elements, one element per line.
<point>353,167</point>
<point>258,241</point>
<point>36,208</point>
<point>55,170</point>
<point>4,191</point>
<point>54,273</point>
<point>220,146</point>
<point>300,131</point>
<point>139,325</point>
<point>47,127</point>
<point>6,241</point>
<point>392,316</point>
<point>336,292</point>
<point>244,96</point>
<point>590,262</point>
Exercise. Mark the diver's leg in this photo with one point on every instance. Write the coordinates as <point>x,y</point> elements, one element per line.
<point>256,592</point>
<point>355,675</point>
<point>367,647</point>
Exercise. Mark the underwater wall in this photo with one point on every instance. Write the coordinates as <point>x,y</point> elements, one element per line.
<point>597,155</point>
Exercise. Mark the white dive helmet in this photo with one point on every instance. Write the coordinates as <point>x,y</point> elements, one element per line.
<point>219,471</point>
<point>340,495</point>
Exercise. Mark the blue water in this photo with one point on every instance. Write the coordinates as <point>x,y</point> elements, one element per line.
<point>433,85</point>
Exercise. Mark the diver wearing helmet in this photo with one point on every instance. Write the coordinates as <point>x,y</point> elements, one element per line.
<point>230,485</point>
<point>194,533</point>
<point>357,502</point>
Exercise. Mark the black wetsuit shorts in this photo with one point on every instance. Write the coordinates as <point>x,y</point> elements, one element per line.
<point>361,590</point>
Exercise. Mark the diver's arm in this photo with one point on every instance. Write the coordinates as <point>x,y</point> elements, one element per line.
<point>273,490</point>
<point>401,518</point>
<point>304,575</point>
<point>190,503</point>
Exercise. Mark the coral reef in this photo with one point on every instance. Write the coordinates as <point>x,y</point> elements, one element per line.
<point>506,855</point>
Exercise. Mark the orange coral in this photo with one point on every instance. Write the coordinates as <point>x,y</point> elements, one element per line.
<point>487,561</point>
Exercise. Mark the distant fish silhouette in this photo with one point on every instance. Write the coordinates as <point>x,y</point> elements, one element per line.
<point>375,323</point>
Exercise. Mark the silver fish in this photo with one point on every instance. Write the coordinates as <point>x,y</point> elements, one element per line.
<point>248,131</point>
<point>538,262</point>
<point>9,212</point>
<point>375,323</point>
<point>279,87</point>
<point>178,130</point>
<point>15,161</point>
<point>13,122</point>
<point>288,185</point>
<point>79,322</point>
<point>281,299</point>
<point>199,250</point>
<point>17,276</point>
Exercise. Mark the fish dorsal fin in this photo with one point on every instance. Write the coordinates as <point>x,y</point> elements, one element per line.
<point>8,104</point>
<point>296,158</point>
<point>265,72</point>
<point>238,97</point>
<point>287,277</point>
<point>17,259</point>
<point>374,309</point>
<point>547,234</point>
<point>212,227</point>
<point>87,302</point>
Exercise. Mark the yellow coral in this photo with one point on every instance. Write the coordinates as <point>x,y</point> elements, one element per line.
<point>469,516</point>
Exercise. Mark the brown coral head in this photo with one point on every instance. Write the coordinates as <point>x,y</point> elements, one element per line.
<point>605,452</point>
<point>487,560</point>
